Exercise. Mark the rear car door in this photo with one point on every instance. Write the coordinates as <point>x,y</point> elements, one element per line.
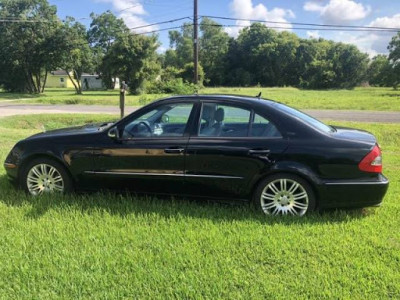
<point>232,147</point>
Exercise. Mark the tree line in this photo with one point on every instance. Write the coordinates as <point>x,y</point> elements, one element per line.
<point>34,41</point>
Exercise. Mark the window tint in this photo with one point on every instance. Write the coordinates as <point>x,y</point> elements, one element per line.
<point>224,121</point>
<point>305,118</point>
<point>167,120</point>
<point>261,127</point>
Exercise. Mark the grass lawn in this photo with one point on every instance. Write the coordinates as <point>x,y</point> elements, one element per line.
<point>359,98</point>
<point>106,246</point>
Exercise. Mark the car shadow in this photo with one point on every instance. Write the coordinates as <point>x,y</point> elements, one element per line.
<point>127,204</point>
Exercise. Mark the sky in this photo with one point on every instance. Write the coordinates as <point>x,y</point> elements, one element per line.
<point>380,13</point>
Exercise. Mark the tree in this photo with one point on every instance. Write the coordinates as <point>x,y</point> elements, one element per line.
<point>104,31</point>
<point>134,59</point>
<point>182,45</point>
<point>28,50</point>
<point>77,55</point>
<point>348,64</point>
<point>213,44</point>
<point>379,71</point>
<point>394,56</point>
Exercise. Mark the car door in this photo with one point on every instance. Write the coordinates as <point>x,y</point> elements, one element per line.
<point>149,155</point>
<point>231,149</point>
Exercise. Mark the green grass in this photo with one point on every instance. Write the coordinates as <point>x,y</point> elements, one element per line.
<point>385,99</point>
<point>106,246</point>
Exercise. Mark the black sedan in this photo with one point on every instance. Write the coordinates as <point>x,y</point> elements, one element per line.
<point>214,146</point>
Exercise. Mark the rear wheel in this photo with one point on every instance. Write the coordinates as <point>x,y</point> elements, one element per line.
<point>43,176</point>
<point>284,194</point>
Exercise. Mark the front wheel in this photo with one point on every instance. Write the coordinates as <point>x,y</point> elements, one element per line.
<point>42,176</point>
<point>284,194</point>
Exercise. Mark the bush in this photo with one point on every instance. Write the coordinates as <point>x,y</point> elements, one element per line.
<point>172,86</point>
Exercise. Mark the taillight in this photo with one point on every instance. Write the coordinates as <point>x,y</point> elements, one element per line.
<point>372,162</point>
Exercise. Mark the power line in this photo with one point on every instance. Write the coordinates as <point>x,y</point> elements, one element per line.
<point>159,23</point>
<point>163,29</point>
<point>306,28</point>
<point>24,21</point>
<point>303,24</point>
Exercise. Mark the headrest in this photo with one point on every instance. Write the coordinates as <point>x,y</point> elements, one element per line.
<point>208,112</point>
<point>219,115</point>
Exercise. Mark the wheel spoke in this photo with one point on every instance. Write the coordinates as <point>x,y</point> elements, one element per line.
<point>293,188</point>
<point>268,205</point>
<point>58,179</point>
<point>268,196</point>
<point>273,187</point>
<point>293,211</point>
<point>283,183</point>
<point>300,196</point>
<point>36,171</point>
<point>52,171</point>
<point>43,169</point>
<point>300,205</point>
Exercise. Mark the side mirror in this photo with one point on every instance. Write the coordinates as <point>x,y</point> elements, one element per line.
<point>113,133</point>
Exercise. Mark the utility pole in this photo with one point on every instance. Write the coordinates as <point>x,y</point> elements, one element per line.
<point>195,43</point>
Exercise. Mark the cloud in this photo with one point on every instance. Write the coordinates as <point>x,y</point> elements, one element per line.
<point>372,42</point>
<point>338,11</point>
<point>244,9</point>
<point>313,34</point>
<point>132,12</point>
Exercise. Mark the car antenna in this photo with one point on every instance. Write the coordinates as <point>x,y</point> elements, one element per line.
<point>259,95</point>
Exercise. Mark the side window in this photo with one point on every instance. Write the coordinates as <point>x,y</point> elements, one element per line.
<point>167,120</point>
<point>261,127</point>
<point>224,121</point>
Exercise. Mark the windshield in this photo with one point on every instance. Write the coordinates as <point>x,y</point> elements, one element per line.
<point>305,118</point>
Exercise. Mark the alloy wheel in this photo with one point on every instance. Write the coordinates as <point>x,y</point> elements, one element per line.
<point>284,197</point>
<point>44,178</point>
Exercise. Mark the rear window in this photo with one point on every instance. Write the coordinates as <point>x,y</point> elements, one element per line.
<point>305,118</point>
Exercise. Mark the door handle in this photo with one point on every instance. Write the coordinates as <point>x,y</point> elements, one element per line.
<point>174,150</point>
<point>259,152</point>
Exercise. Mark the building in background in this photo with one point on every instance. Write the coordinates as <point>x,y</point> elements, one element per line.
<point>59,79</point>
<point>94,82</point>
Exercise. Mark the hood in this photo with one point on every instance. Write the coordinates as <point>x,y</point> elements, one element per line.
<point>77,130</point>
<point>352,134</point>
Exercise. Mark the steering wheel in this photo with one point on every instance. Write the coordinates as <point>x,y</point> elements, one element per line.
<point>147,125</point>
<point>137,129</point>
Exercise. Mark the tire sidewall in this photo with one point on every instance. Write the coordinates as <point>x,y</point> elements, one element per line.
<point>257,194</point>
<point>68,184</point>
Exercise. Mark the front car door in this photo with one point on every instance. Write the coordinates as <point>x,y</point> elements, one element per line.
<point>232,147</point>
<point>149,156</point>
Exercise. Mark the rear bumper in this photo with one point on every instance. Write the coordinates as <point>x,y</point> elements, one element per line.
<point>352,193</point>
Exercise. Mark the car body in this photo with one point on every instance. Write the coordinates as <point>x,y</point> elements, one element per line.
<point>210,146</point>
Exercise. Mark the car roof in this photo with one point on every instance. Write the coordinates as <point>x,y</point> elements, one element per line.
<point>224,97</point>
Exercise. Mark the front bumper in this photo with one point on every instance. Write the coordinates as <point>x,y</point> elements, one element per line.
<point>11,170</point>
<point>352,193</point>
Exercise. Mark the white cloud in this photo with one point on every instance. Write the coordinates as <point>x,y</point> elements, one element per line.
<point>132,12</point>
<point>338,11</point>
<point>313,34</point>
<point>372,42</point>
<point>244,9</point>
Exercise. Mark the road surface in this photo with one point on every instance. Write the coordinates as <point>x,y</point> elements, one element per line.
<point>9,109</point>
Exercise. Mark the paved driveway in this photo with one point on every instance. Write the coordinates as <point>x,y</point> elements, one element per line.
<point>9,109</point>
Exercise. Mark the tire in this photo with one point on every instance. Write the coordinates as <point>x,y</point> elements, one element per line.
<point>44,176</point>
<point>284,194</point>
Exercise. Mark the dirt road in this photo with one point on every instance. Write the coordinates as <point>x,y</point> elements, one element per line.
<point>9,109</point>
